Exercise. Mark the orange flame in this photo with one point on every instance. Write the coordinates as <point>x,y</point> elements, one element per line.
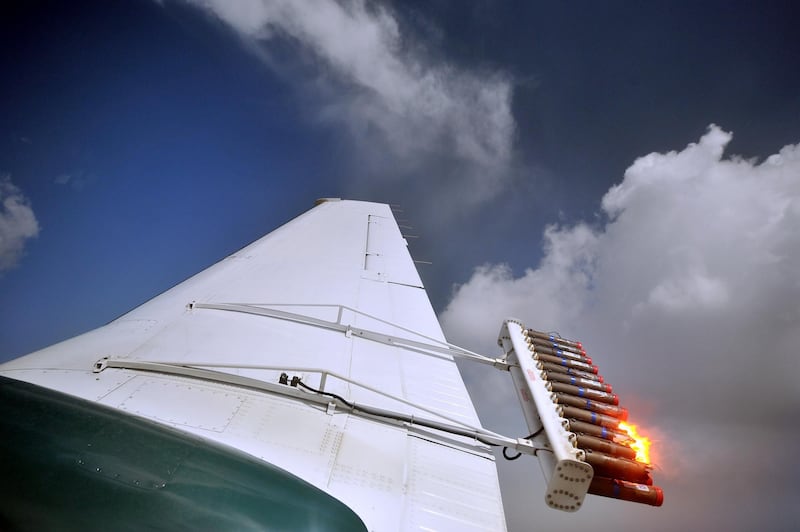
<point>641,444</point>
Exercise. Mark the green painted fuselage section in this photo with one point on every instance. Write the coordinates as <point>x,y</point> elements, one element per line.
<point>70,464</point>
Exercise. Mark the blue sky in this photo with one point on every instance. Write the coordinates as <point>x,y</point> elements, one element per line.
<point>151,139</point>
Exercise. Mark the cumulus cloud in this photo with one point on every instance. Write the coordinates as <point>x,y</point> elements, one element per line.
<point>400,106</point>
<point>17,223</point>
<point>692,240</point>
<point>687,297</point>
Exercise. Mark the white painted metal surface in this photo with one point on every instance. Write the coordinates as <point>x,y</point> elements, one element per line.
<point>567,474</point>
<point>342,263</point>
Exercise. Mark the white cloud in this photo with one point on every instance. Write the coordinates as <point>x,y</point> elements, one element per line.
<point>62,179</point>
<point>689,235</point>
<point>75,180</point>
<point>17,223</point>
<point>688,298</point>
<point>400,106</point>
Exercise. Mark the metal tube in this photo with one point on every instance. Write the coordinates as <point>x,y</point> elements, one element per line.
<point>577,381</point>
<point>562,354</point>
<point>600,432</point>
<point>567,362</point>
<point>553,345</point>
<point>553,337</point>
<point>588,393</point>
<point>627,491</point>
<point>548,366</point>
<point>590,417</point>
<point>613,467</point>
<point>604,446</point>
<point>592,406</point>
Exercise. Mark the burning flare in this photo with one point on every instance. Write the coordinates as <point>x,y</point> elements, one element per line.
<point>641,444</point>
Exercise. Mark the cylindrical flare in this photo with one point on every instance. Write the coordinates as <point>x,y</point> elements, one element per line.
<point>605,465</point>
<point>604,446</point>
<point>589,417</point>
<point>553,338</point>
<point>578,381</point>
<point>593,406</point>
<point>562,354</point>
<point>606,433</point>
<point>567,362</point>
<point>627,491</point>
<point>549,366</point>
<point>588,393</point>
<point>556,345</point>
